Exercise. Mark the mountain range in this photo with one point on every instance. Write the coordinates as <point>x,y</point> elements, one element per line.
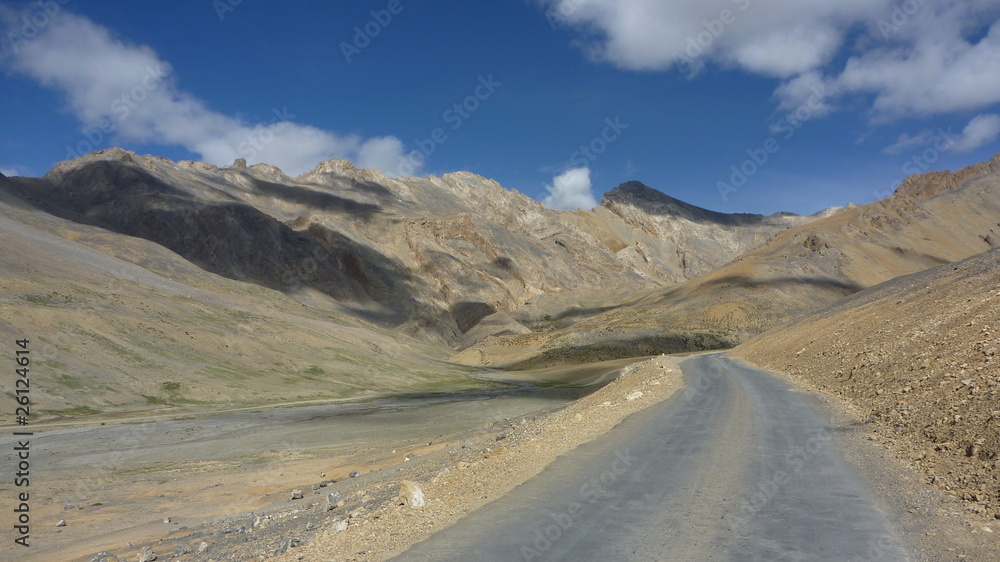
<point>343,282</point>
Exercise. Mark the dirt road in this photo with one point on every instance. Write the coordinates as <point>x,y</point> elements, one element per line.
<point>735,467</point>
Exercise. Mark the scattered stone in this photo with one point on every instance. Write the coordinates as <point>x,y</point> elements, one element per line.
<point>104,557</point>
<point>332,501</point>
<point>297,494</point>
<point>411,495</point>
<point>202,547</point>
<point>166,520</point>
<point>354,474</point>
<point>502,436</point>
<point>634,395</point>
<point>339,525</point>
<point>310,526</point>
<point>286,544</point>
<point>147,555</point>
<point>325,483</point>
<point>69,506</point>
<point>61,523</point>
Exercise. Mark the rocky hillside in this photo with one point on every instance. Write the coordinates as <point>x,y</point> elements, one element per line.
<point>429,257</point>
<point>118,323</point>
<point>932,219</point>
<point>920,355</point>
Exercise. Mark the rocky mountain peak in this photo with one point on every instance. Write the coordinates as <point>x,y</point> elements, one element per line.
<point>653,202</point>
<point>107,155</point>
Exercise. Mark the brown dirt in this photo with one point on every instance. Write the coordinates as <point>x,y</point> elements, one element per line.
<point>918,356</point>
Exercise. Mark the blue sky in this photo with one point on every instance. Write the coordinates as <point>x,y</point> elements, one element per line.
<point>818,102</point>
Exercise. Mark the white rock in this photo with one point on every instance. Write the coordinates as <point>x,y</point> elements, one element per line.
<point>410,494</point>
<point>634,395</point>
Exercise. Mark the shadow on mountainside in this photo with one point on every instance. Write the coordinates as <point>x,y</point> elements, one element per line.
<point>626,347</point>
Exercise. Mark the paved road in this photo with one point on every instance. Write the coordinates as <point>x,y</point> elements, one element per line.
<point>734,467</point>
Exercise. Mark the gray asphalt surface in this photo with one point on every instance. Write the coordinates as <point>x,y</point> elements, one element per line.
<point>734,467</point>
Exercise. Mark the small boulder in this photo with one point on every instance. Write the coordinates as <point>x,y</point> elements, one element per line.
<point>61,523</point>
<point>354,474</point>
<point>286,544</point>
<point>332,501</point>
<point>147,555</point>
<point>297,494</point>
<point>411,495</point>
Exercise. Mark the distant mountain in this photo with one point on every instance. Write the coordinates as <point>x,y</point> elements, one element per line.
<point>429,257</point>
<point>931,219</point>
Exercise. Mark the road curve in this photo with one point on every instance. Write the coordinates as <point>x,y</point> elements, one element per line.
<point>736,466</point>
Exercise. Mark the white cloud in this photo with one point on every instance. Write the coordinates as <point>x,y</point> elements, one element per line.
<point>778,38</point>
<point>9,171</point>
<point>907,141</point>
<point>937,64</point>
<point>980,130</point>
<point>105,79</point>
<point>571,190</point>
<point>808,89</point>
<point>942,57</point>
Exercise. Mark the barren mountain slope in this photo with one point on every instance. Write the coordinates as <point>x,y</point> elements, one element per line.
<point>118,323</point>
<point>921,356</point>
<point>932,219</point>
<point>430,257</point>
